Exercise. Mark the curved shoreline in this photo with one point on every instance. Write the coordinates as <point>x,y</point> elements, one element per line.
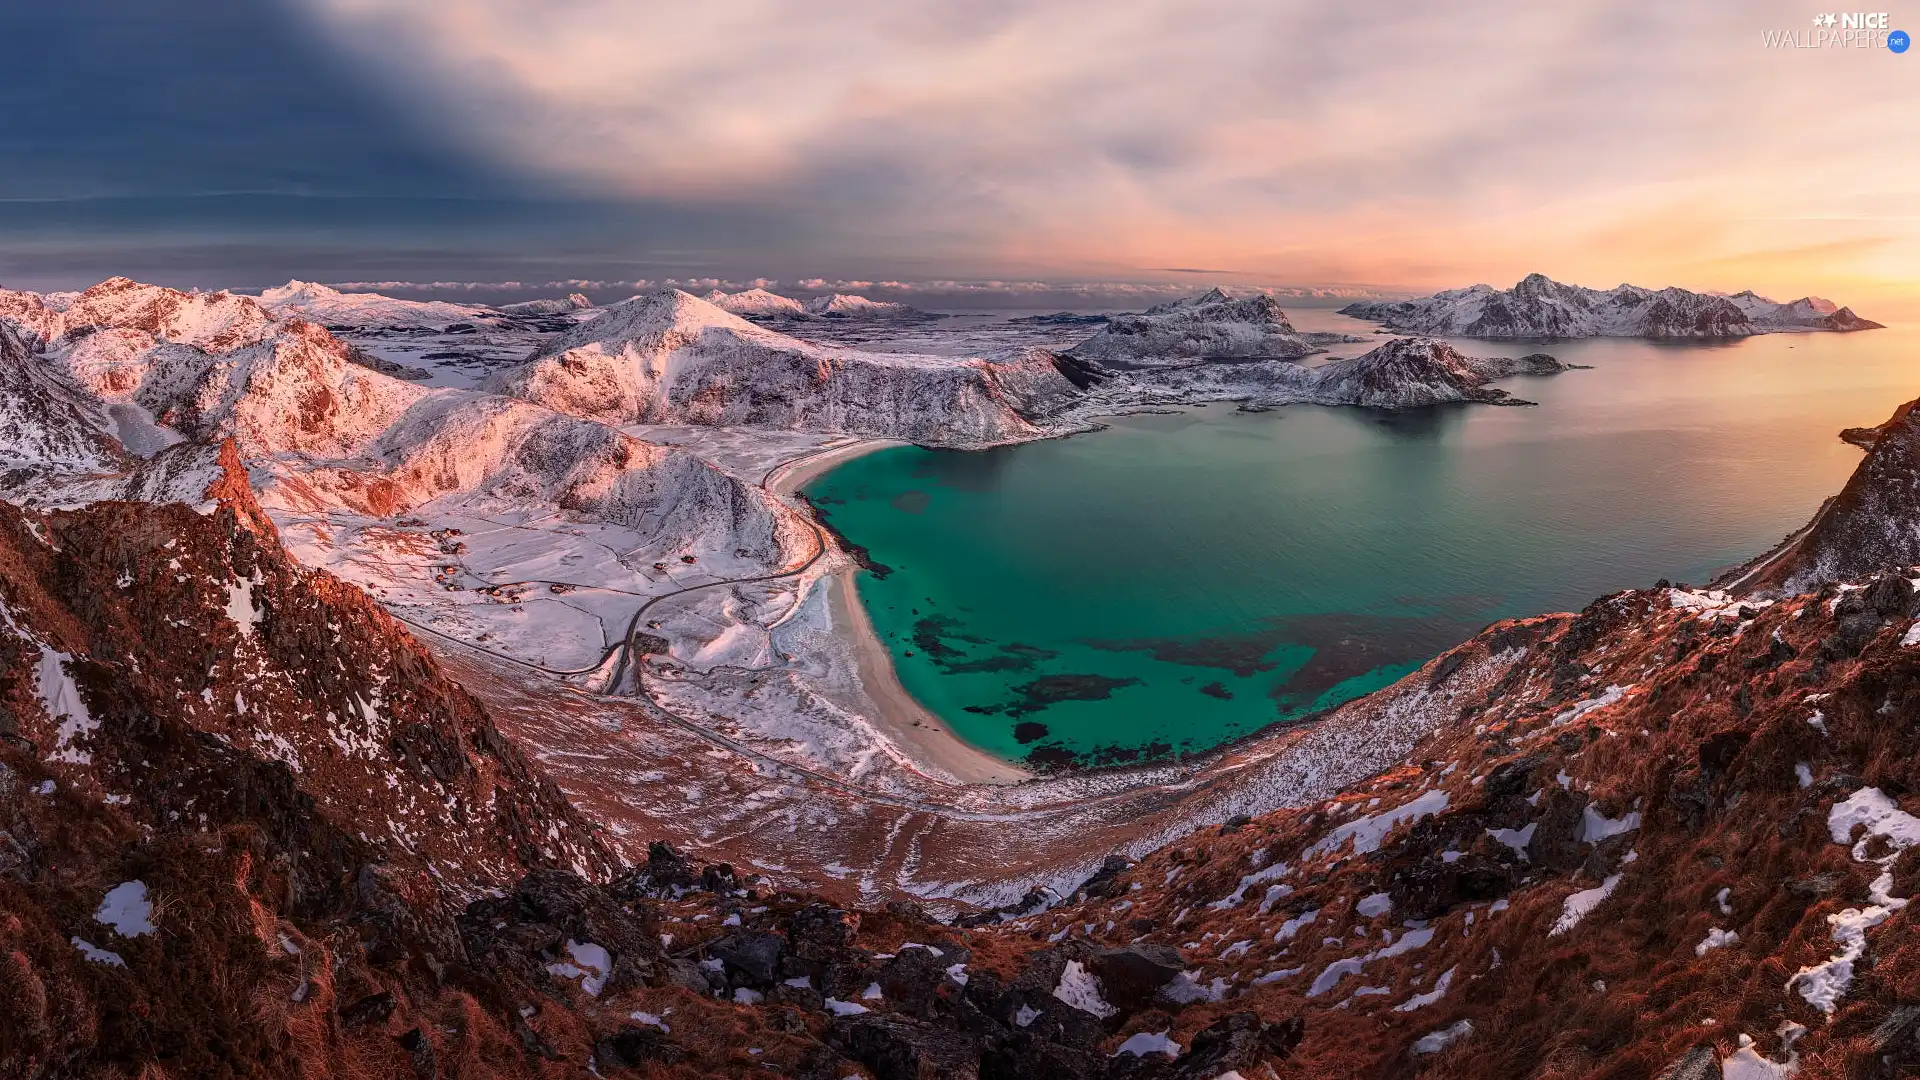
<point>923,737</point>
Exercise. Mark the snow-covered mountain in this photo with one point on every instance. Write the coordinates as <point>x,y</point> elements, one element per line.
<point>1213,325</point>
<point>47,422</point>
<point>565,305</point>
<point>331,307</point>
<point>32,315</point>
<point>1539,307</point>
<point>216,321</point>
<point>293,389</point>
<point>460,442</point>
<point>132,369</point>
<point>757,303</point>
<point>670,357</point>
<point>850,306</point>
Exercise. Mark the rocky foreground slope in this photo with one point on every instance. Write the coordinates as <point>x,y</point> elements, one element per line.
<point>1539,307</point>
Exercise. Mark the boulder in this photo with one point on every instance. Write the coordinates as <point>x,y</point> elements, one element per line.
<point>896,1048</point>
<point>1106,880</point>
<point>1132,974</point>
<point>750,956</point>
<point>634,1045</point>
<point>819,932</point>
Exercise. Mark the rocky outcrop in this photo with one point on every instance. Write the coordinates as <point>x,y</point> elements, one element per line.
<point>237,802</point>
<point>1539,307</point>
<point>1673,797</point>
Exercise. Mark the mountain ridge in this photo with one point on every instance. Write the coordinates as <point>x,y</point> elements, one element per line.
<point>670,357</point>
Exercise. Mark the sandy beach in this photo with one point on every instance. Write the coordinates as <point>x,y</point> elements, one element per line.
<point>922,736</point>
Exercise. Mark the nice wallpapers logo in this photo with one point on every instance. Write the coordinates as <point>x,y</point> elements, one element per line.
<point>1845,30</point>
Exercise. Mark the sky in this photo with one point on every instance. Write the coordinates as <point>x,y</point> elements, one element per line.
<point>1384,146</point>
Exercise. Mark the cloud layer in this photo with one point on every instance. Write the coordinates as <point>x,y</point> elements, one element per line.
<point>1408,143</point>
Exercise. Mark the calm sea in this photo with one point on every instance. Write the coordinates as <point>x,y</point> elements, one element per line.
<point>1176,581</point>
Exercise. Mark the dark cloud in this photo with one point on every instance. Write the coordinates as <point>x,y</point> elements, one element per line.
<point>131,98</point>
<point>236,141</point>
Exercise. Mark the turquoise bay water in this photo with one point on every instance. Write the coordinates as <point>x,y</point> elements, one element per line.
<point>1177,581</point>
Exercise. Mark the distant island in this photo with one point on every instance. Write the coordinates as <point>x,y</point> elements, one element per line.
<point>1540,307</point>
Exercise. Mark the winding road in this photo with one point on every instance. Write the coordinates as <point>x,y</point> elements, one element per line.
<point>624,647</point>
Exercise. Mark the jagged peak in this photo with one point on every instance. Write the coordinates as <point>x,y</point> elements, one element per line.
<point>1538,284</point>
<point>118,283</point>
<point>1425,347</point>
<point>1240,304</point>
<point>232,488</point>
